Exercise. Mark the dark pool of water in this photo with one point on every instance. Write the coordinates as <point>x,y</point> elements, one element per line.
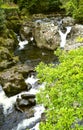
<point>32,55</point>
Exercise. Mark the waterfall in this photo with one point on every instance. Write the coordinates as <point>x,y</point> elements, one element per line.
<point>63,36</point>
<point>21,43</point>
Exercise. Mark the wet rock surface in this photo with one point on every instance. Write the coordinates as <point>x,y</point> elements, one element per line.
<point>12,75</point>
<point>73,41</point>
<point>45,31</point>
<point>22,110</point>
<point>13,81</point>
<point>1,116</point>
<point>26,100</point>
<point>12,120</point>
<point>46,35</point>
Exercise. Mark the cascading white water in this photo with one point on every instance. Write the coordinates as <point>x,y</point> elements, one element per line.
<point>32,123</point>
<point>22,43</point>
<point>63,36</point>
<point>8,105</point>
<point>39,109</point>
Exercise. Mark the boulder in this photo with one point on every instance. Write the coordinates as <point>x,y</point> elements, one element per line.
<point>10,42</point>
<point>68,21</point>
<point>75,38</point>
<point>27,96</point>
<point>27,100</point>
<point>24,69</point>
<point>45,31</point>
<point>13,81</point>
<point>46,35</point>
<point>6,59</point>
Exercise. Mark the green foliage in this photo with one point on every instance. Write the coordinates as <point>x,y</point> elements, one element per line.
<point>74,8</point>
<point>39,6</point>
<point>78,14</point>
<point>79,39</point>
<point>63,95</point>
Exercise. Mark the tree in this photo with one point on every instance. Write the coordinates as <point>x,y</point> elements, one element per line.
<point>74,8</point>
<point>39,6</point>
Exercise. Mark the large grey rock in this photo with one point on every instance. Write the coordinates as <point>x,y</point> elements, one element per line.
<point>46,35</point>
<point>25,100</point>
<point>68,21</point>
<point>13,80</point>
<point>73,40</point>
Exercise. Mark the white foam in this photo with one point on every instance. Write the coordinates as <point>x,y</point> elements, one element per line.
<point>35,87</point>
<point>31,38</point>
<point>31,80</point>
<point>8,104</point>
<point>63,36</point>
<point>36,127</point>
<point>5,101</point>
<point>22,44</point>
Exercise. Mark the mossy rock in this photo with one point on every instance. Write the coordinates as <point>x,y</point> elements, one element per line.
<point>5,54</point>
<point>9,43</point>
<point>12,81</point>
<point>7,59</point>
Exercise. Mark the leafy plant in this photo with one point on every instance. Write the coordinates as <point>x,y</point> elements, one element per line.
<point>74,8</point>
<point>79,39</point>
<point>63,95</point>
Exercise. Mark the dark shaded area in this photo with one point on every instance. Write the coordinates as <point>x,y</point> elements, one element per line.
<point>39,6</point>
<point>11,120</point>
<point>32,55</point>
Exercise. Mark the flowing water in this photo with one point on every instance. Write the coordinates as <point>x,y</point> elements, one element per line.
<point>29,54</point>
<point>63,36</point>
<point>32,55</point>
<point>15,120</point>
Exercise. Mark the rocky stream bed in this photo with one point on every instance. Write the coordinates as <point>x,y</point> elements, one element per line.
<point>18,57</point>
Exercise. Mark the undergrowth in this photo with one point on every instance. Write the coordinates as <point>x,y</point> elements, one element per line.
<point>63,94</point>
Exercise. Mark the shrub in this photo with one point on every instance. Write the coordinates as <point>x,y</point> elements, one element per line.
<point>63,95</point>
<point>74,8</point>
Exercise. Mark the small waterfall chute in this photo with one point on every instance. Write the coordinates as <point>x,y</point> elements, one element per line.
<point>22,43</point>
<point>63,36</point>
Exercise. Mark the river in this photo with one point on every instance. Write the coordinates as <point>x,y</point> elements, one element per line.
<point>12,119</point>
